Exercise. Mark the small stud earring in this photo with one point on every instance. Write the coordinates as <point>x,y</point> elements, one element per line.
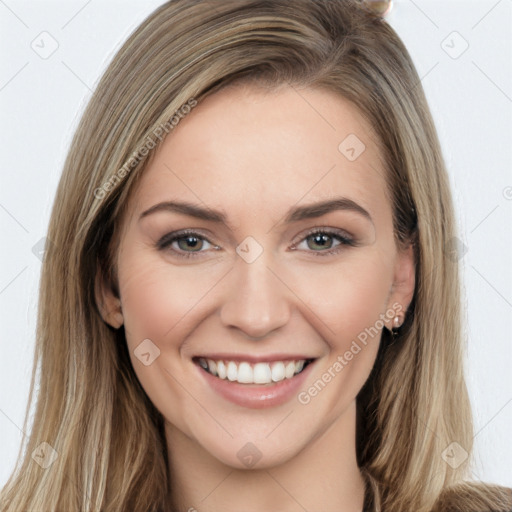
<point>397,322</point>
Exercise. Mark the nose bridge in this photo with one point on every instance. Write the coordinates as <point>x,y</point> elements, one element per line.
<point>255,301</point>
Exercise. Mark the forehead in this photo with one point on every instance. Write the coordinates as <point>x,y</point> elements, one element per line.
<point>248,149</point>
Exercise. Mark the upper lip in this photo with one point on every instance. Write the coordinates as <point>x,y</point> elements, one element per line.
<point>254,358</point>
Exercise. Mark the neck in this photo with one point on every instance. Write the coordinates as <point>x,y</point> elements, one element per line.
<point>322,476</point>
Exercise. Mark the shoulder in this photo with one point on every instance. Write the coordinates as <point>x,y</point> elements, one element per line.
<point>474,497</point>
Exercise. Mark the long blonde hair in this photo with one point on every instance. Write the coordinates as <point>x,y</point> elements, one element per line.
<point>108,437</point>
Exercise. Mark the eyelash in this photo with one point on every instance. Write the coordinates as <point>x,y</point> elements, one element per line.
<point>169,238</point>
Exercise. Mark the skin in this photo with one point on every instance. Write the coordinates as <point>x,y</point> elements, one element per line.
<point>254,154</point>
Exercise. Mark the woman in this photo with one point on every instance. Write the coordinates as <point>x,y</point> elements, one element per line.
<point>252,310</point>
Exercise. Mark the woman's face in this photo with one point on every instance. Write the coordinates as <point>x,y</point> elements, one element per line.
<point>260,242</point>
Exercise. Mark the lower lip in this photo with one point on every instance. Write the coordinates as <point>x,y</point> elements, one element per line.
<point>257,396</point>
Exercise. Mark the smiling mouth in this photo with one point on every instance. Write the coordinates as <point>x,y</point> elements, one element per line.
<point>244,372</point>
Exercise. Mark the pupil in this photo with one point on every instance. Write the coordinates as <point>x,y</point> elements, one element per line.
<point>321,240</point>
<point>190,241</point>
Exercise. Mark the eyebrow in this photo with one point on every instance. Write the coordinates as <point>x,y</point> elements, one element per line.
<point>294,214</point>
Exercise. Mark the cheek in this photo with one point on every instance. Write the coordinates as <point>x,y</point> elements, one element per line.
<point>158,296</point>
<point>348,297</point>
<point>350,305</point>
<point>160,304</point>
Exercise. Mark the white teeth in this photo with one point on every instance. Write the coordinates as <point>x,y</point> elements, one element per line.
<point>262,374</point>
<point>289,370</point>
<point>221,370</point>
<point>246,373</point>
<point>278,372</point>
<point>212,367</point>
<point>232,371</point>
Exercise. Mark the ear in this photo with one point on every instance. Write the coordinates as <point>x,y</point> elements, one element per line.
<point>404,281</point>
<point>108,303</point>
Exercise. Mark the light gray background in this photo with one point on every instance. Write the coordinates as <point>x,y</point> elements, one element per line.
<point>470,94</point>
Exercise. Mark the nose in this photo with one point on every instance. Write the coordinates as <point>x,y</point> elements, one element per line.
<point>255,300</point>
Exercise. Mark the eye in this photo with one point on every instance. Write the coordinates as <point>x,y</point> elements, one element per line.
<point>186,244</point>
<point>323,239</point>
<point>189,244</point>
